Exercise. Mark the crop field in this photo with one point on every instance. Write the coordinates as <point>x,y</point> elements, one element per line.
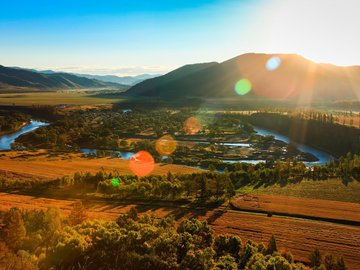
<point>331,189</point>
<point>348,120</point>
<point>300,236</point>
<point>325,209</point>
<point>55,98</point>
<point>50,165</point>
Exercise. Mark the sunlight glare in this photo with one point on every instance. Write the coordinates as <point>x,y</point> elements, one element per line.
<point>142,163</point>
<point>115,182</point>
<point>165,145</point>
<point>192,125</point>
<point>273,63</point>
<point>242,87</point>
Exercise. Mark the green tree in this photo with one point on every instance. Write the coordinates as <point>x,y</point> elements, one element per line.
<point>226,262</point>
<point>227,244</point>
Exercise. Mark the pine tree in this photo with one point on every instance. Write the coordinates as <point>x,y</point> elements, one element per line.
<point>272,247</point>
<point>315,258</point>
<point>340,264</point>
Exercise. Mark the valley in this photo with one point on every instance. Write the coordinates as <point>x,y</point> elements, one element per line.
<point>179,135</point>
<point>42,172</point>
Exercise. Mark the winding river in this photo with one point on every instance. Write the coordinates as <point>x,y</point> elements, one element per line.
<point>7,140</point>
<point>321,155</point>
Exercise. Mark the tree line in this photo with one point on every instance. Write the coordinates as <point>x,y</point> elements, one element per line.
<point>324,134</point>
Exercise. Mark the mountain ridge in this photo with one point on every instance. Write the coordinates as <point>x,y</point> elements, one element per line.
<point>296,78</point>
<point>24,79</point>
<point>125,80</point>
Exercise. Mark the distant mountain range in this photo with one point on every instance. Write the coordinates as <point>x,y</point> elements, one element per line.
<point>125,80</point>
<point>19,79</point>
<point>271,76</point>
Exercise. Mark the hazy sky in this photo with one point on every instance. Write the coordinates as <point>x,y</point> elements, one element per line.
<point>142,36</point>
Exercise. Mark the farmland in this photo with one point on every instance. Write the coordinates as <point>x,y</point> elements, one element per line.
<point>54,98</point>
<point>300,236</point>
<point>50,165</point>
<point>331,189</point>
<point>285,205</point>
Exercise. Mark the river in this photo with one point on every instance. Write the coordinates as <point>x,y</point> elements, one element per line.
<point>321,155</point>
<point>8,139</point>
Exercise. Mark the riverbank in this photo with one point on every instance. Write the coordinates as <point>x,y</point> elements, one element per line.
<point>3,133</point>
<point>227,149</point>
<point>7,140</point>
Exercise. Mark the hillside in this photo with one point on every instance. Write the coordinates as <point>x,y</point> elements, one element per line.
<point>296,78</point>
<point>20,79</point>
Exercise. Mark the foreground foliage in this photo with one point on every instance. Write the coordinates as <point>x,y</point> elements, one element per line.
<point>46,241</point>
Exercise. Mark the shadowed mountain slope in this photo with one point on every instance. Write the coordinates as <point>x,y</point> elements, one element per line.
<point>296,78</point>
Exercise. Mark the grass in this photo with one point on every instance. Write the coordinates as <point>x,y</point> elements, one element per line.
<point>332,189</point>
<point>54,98</point>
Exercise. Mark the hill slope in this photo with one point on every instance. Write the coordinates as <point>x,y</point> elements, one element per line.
<point>20,79</point>
<point>296,78</point>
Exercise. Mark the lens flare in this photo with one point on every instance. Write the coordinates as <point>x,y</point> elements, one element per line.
<point>242,87</point>
<point>192,125</point>
<point>115,182</point>
<point>273,63</point>
<point>166,145</point>
<point>142,163</point>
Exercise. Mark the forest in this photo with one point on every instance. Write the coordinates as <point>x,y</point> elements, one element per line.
<point>39,239</point>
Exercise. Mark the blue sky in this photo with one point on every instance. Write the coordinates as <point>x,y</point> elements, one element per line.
<point>137,36</point>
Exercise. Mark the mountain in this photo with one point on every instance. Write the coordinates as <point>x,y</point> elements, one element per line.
<point>295,78</point>
<point>24,79</point>
<point>126,80</point>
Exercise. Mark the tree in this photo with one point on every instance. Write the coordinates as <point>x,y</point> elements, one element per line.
<point>14,231</point>
<point>329,262</point>
<point>227,245</point>
<point>212,167</point>
<point>78,213</point>
<point>315,258</point>
<point>203,187</point>
<point>169,160</point>
<point>334,263</point>
<point>133,213</point>
<point>340,264</point>
<point>227,263</point>
<point>272,247</point>
<point>9,260</point>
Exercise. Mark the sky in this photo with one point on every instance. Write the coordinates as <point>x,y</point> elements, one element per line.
<point>130,37</point>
